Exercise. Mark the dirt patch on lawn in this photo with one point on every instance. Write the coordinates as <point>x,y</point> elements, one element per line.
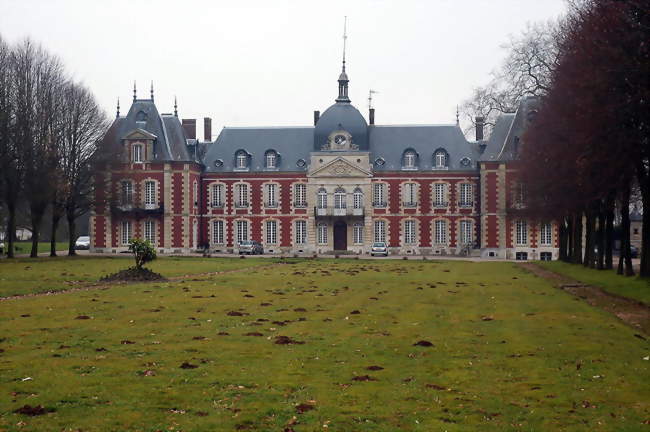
<point>632,312</point>
<point>134,274</point>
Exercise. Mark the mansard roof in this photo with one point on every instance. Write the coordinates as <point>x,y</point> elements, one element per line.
<point>165,130</point>
<point>504,141</point>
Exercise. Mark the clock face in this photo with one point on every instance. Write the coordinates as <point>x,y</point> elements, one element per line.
<point>340,140</point>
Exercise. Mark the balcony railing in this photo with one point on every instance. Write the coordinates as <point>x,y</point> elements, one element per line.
<point>380,204</point>
<point>440,204</point>
<point>334,211</point>
<point>300,204</point>
<point>466,204</point>
<point>271,205</point>
<point>142,210</point>
<point>409,204</point>
<point>241,205</point>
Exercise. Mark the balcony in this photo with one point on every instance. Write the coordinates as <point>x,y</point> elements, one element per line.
<point>300,204</point>
<point>337,212</point>
<point>409,204</point>
<point>145,210</point>
<point>440,204</point>
<point>380,204</point>
<point>465,205</point>
<point>271,205</point>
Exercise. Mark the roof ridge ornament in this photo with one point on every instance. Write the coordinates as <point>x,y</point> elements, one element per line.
<point>175,107</point>
<point>343,78</point>
<point>151,90</point>
<point>118,108</point>
<point>135,92</point>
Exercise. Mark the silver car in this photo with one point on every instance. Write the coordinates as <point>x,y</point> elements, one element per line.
<point>379,248</point>
<point>250,247</point>
<point>82,242</point>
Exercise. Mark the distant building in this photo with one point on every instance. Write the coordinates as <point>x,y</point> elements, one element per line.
<point>636,228</point>
<point>337,185</point>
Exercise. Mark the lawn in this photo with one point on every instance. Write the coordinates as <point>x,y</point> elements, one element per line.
<point>22,248</point>
<point>632,287</point>
<point>508,353</point>
<point>34,275</point>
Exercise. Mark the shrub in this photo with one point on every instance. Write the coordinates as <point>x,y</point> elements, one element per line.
<point>143,252</point>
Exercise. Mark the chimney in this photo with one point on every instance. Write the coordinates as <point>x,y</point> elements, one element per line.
<point>207,129</point>
<point>316,117</point>
<point>480,122</point>
<point>372,116</point>
<point>189,126</point>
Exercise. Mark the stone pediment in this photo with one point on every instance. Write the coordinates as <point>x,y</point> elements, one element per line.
<point>340,167</point>
<point>140,134</point>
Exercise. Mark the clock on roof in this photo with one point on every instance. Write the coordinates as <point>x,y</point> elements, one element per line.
<point>340,140</point>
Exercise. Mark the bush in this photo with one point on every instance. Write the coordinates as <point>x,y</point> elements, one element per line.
<point>143,252</point>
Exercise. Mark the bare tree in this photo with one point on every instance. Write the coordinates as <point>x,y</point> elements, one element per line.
<point>526,71</point>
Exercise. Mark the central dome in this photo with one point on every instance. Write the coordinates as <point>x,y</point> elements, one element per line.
<point>341,116</point>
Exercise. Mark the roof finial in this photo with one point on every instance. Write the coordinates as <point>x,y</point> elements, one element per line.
<point>118,108</point>
<point>152,90</point>
<point>175,107</point>
<point>457,116</point>
<point>345,38</point>
<point>343,78</point>
<point>135,92</point>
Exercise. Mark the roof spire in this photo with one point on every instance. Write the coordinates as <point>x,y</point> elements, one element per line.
<point>118,108</point>
<point>135,92</point>
<point>343,78</point>
<point>175,107</point>
<point>152,90</point>
<point>457,115</point>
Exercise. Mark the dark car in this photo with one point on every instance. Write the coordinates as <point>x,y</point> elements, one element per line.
<point>250,247</point>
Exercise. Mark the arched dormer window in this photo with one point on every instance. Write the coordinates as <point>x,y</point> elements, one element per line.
<point>241,160</point>
<point>358,198</point>
<point>339,198</point>
<point>440,159</point>
<point>141,116</point>
<point>321,198</point>
<point>271,159</point>
<point>410,160</point>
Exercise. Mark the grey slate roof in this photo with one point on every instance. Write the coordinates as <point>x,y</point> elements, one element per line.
<point>341,116</point>
<point>170,143</point>
<point>504,142</point>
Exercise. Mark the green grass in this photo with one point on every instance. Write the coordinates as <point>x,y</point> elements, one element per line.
<point>632,287</point>
<point>546,362</point>
<point>34,275</point>
<point>22,248</point>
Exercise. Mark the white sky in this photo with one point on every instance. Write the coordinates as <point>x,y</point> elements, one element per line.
<point>273,62</point>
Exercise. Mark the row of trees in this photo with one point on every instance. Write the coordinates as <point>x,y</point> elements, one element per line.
<point>588,148</point>
<point>49,129</point>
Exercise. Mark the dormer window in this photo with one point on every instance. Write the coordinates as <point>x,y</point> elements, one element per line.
<point>410,160</point>
<point>271,159</point>
<point>440,159</point>
<point>137,153</point>
<point>241,160</point>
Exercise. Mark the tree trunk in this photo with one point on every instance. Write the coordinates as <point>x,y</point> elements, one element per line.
<point>609,232</point>
<point>55,225</point>
<point>569,239</point>
<point>11,229</point>
<point>644,270</point>
<point>626,253</point>
<point>72,232</point>
<point>600,240</point>
<point>562,240</point>
<point>589,239</point>
<point>37,218</point>
<point>577,239</point>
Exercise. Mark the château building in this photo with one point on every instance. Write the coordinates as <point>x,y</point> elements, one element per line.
<point>337,185</point>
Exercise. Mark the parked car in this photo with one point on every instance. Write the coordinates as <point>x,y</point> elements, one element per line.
<point>82,242</point>
<point>250,247</point>
<point>2,248</point>
<point>379,248</point>
<point>634,251</point>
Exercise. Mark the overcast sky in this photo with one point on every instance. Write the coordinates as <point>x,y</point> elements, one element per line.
<point>272,62</point>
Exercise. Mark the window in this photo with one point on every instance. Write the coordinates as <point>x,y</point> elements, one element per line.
<point>545,234</point>
<point>520,195</point>
<point>322,198</point>
<point>217,195</point>
<point>380,231</point>
<point>636,231</point>
<point>126,232</point>
<point>339,198</point>
<point>546,256</point>
<point>521,256</point>
<point>127,193</point>
<point>242,231</point>
<point>409,160</point>
<point>357,201</point>
<point>379,195</point>
<point>241,160</point>
<point>466,232</point>
<point>149,193</point>
<point>409,231</point>
<point>322,233</point>
<point>440,159</point>
<point>300,195</point>
<point>271,232</point>
<point>218,232</point>
<point>301,232</point>
<point>271,159</point>
<point>137,153</point>
<point>440,232</point>
<point>271,195</point>
<point>410,194</point>
<point>195,187</point>
<point>242,195</point>
<point>357,233</point>
<point>150,231</point>
<point>440,195</point>
<point>522,232</point>
<point>466,195</point>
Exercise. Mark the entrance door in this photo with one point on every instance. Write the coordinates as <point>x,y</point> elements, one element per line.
<point>340,236</point>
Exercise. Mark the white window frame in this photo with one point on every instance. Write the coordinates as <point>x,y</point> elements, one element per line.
<point>137,153</point>
<point>357,199</point>
<point>241,160</point>
<point>410,194</point>
<point>409,231</point>
<point>321,232</point>
<point>218,232</point>
<point>149,192</point>
<point>466,195</point>
<point>340,198</point>
<point>271,195</point>
<point>241,199</point>
<point>440,231</point>
<point>300,195</point>
<point>271,159</point>
<point>242,230</point>
<point>149,231</point>
<point>126,192</point>
<point>440,158</point>
<point>410,159</point>
<point>521,232</point>
<point>379,231</point>
<point>546,234</point>
<point>217,195</point>
<point>466,229</point>
<point>321,198</point>
<point>126,232</point>
<point>379,195</point>
<point>357,233</point>
<point>440,195</point>
<point>300,231</point>
<point>271,232</point>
